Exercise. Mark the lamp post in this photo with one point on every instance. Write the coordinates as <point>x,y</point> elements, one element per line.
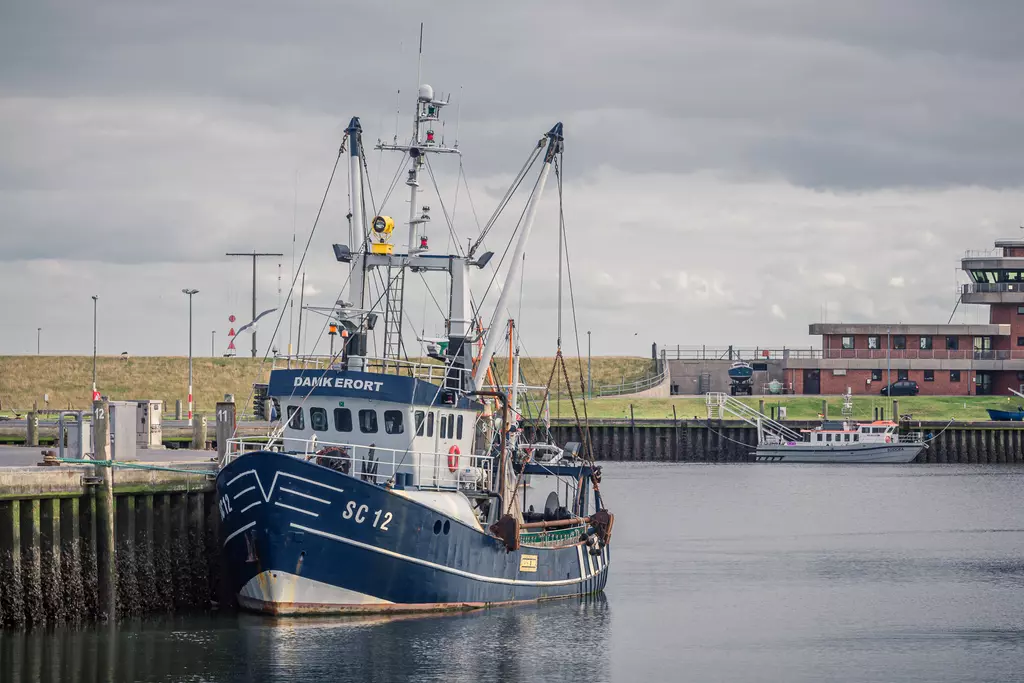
<point>39,336</point>
<point>888,360</point>
<point>590,384</point>
<point>190,292</point>
<point>95,299</point>
<point>213,343</point>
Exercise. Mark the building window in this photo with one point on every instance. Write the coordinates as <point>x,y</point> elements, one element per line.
<point>393,422</point>
<point>902,375</point>
<point>1020,341</point>
<point>929,375</point>
<point>430,424</point>
<point>899,342</point>
<point>318,419</point>
<point>368,421</point>
<point>926,343</point>
<point>952,343</point>
<point>1020,310</point>
<point>295,418</point>
<point>419,422</point>
<point>848,342</point>
<point>876,375</point>
<point>458,428</point>
<point>342,420</point>
<point>874,341</point>
<point>954,375</point>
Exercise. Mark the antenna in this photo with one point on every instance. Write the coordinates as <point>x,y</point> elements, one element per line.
<point>419,60</point>
<point>458,120</point>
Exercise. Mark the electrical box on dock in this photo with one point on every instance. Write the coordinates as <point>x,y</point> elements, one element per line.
<point>149,424</point>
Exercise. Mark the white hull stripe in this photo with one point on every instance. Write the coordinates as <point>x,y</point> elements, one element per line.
<point>242,493</point>
<point>268,493</point>
<point>238,531</point>
<point>305,495</point>
<point>433,565</point>
<point>290,507</point>
<point>250,505</point>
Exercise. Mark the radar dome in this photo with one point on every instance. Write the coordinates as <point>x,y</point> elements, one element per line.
<point>426,93</point>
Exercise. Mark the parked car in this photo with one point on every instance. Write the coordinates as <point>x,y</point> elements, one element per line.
<point>904,387</point>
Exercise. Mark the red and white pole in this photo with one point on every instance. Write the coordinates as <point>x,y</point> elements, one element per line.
<point>189,405</point>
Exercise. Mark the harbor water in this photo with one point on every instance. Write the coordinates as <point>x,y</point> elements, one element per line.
<point>720,572</point>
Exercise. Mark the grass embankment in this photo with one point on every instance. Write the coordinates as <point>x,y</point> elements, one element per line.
<point>68,379</point>
<point>939,408</point>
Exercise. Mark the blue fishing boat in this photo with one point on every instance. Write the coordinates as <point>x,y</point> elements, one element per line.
<point>1005,415</point>
<point>393,485</point>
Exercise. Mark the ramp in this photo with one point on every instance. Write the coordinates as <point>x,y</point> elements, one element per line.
<point>723,406</point>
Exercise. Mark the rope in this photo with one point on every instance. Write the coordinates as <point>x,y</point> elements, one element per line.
<point>134,466</point>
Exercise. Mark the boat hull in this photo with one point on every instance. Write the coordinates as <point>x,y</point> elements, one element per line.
<point>301,538</point>
<point>1004,415</point>
<point>852,454</point>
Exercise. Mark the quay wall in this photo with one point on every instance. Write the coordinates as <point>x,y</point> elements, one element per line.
<point>734,441</point>
<point>52,519</point>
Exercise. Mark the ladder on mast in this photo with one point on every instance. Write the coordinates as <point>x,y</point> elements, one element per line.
<point>768,430</point>
<point>393,315</point>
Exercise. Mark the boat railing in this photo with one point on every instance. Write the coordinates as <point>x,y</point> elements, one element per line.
<point>378,465</point>
<point>428,371</point>
<point>911,437</point>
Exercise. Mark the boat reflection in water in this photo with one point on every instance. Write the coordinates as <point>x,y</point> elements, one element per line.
<point>562,640</point>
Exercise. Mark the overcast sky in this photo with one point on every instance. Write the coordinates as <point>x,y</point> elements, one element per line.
<point>733,171</point>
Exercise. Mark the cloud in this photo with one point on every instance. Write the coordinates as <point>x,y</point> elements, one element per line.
<point>723,162</point>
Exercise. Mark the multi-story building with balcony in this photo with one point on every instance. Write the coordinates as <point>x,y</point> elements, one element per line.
<point>942,359</point>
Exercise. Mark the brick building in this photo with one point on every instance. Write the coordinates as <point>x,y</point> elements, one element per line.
<point>942,359</point>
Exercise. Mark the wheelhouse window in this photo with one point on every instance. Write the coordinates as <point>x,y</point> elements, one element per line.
<point>876,375</point>
<point>451,426</point>
<point>419,416</point>
<point>318,419</point>
<point>899,342</point>
<point>458,428</point>
<point>874,342</point>
<point>856,437</point>
<point>443,426</point>
<point>954,375</point>
<point>929,375</point>
<point>848,342</point>
<point>952,343</point>
<point>902,375</point>
<point>430,423</point>
<point>926,343</point>
<point>368,421</point>
<point>296,420</point>
<point>393,422</point>
<point>342,420</point>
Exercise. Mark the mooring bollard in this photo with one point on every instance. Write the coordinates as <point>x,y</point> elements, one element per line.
<point>32,429</point>
<point>225,428</point>
<point>177,409</point>
<point>895,410</point>
<point>760,406</point>
<point>199,433</point>
<point>106,561</point>
<point>824,409</point>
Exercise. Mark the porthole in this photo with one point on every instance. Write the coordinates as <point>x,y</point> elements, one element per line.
<point>437,527</point>
<point>447,527</point>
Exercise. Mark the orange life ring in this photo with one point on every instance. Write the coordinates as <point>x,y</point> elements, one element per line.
<point>888,439</point>
<point>453,458</point>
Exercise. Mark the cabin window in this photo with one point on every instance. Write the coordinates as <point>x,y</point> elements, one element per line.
<point>458,428</point>
<point>954,375</point>
<point>443,426</point>
<point>899,341</point>
<point>876,375</point>
<point>856,437</point>
<point>828,437</point>
<point>846,437</point>
<point>848,342</point>
<point>926,343</point>
<point>393,422</point>
<point>430,424</point>
<point>295,417</point>
<point>952,343</point>
<point>368,421</point>
<point>451,426</point>
<point>342,420</point>
<point>419,417</point>
<point>318,419</point>
<point>929,375</point>
<point>819,437</point>
<point>874,342</point>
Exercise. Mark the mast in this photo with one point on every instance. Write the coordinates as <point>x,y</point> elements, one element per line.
<point>355,175</point>
<point>554,146</point>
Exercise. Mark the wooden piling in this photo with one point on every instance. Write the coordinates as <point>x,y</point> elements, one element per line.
<point>199,432</point>
<point>106,549</point>
<point>32,429</point>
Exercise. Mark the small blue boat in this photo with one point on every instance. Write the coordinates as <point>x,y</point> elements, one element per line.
<point>1005,415</point>
<point>741,371</point>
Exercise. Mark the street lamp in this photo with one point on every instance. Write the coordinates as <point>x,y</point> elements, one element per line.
<point>95,299</point>
<point>213,343</point>
<point>190,292</point>
<point>39,335</point>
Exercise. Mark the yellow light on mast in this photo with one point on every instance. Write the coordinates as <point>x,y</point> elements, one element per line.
<point>381,228</point>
